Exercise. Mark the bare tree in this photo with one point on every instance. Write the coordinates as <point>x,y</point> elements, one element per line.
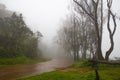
<point>68,36</point>
<point>94,10</point>
<point>65,37</point>
<point>111,33</point>
<point>77,36</point>
<point>91,9</point>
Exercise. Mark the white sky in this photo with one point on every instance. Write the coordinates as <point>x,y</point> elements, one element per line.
<point>46,15</point>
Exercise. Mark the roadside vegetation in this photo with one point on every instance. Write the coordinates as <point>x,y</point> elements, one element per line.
<point>19,61</point>
<point>80,70</point>
<point>18,43</point>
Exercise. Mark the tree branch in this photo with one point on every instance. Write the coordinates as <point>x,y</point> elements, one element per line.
<point>114,21</point>
<point>84,9</point>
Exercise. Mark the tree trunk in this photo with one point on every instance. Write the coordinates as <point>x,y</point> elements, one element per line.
<point>99,38</point>
<point>74,54</point>
<point>97,74</point>
<point>77,55</point>
<point>110,49</point>
<point>99,51</point>
<point>111,33</point>
<point>84,53</point>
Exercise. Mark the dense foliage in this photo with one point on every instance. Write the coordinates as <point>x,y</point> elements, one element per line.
<point>16,39</point>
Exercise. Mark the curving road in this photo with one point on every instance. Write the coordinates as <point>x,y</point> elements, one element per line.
<point>14,72</point>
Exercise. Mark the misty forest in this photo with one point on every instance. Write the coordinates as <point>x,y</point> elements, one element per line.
<point>59,39</point>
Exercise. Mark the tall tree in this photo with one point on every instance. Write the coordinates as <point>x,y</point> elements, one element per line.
<point>94,10</point>
<point>91,9</point>
<point>111,33</point>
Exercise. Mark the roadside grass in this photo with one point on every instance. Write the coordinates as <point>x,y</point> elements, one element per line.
<point>80,71</point>
<point>19,60</point>
<point>59,75</point>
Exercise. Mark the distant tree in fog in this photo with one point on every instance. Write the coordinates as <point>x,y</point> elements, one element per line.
<point>16,39</point>
<point>77,36</point>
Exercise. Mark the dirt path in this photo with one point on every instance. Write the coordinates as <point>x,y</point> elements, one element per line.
<point>14,72</point>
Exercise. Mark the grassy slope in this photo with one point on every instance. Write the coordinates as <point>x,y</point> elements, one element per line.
<point>18,60</point>
<point>79,71</point>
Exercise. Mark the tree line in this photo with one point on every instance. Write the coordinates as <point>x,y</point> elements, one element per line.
<point>16,39</point>
<point>81,34</point>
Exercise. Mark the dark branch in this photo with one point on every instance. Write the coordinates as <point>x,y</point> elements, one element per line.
<point>105,62</point>
<point>114,21</point>
<point>84,9</point>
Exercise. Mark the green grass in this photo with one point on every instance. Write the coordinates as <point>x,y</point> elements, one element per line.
<point>19,60</point>
<point>81,64</point>
<point>58,75</point>
<point>80,71</point>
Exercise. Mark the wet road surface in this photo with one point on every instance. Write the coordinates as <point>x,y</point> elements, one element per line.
<point>14,72</point>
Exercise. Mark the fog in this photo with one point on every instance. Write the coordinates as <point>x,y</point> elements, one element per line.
<point>46,16</point>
